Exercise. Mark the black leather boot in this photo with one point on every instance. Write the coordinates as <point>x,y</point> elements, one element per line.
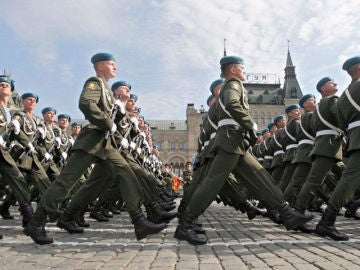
<point>4,208</point>
<point>27,212</point>
<point>185,231</point>
<point>305,228</point>
<point>326,227</point>
<point>252,211</point>
<point>96,213</point>
<point>144,227</point>
<point>79,218</point>
<point>291,218</point>
<point>157,215</point>
<point>67,221</point>
<point>37,232</point>
<point>351,209</point>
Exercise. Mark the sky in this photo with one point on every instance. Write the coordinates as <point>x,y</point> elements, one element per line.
<point>169,50</point>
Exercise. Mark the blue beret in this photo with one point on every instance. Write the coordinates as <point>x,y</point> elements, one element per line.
<point>102,57</point>
<point>305,98</point>
<point>120,83</point>
<point>270,125</point>
<point>278,118</point>
<point>61,116</point>
<point>350,62</point>
<point>216,83</point>
<point>75,124</point>
<point>231,60</point>
<point>5,79</point>
<point>264,131</point>
<point>134,97</point>
<point>292,107</point>
<point>27,95</point>
<point>209,99</point>
<point>322,82</point>
<point>48,109</point>
<point>258,133</point>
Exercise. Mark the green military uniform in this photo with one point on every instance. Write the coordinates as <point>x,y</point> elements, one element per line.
<point>303,161</point>
<point>8,168</point>
<point>326,153</point>
<point>231,153</point>
<point>267,154</point>
<point>289,143</point>
<point>28,161</point>
<point>92,145</point>
<point>349,117</point>
<point>48,147</point>
<point>277,151</point>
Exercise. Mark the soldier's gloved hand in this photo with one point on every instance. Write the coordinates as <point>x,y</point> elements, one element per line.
<point>132,145</point>
<point>58,142</point>
<point>113,129</point>
<point>71,140</point>
<point>64,155</point>
<point>16,125</point>
<point>31,148</point>
<point>120,105</point>
<point>135,121</point>
<point>2,142</point>
<point>47,156</point>
<point>251,134</point>
<point>138,150</point>
<point>41,130</point>
<point>124,143</point>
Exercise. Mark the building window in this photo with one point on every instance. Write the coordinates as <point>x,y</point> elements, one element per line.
<point>181,146</point>
<point>172,146</point>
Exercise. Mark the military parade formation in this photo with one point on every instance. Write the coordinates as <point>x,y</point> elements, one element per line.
<point>304,161</point>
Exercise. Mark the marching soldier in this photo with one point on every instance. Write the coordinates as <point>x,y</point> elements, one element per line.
<point>349,119</point>
<point>327,151</point>
<point>289,143</point>
<point>233,138</point>
<point>276,150</point>
<point>50,143</point>
<point>8,167</point>
<point>302,160</point>
<point>94,144</point>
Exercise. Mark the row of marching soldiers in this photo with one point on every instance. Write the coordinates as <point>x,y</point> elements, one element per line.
<point>298,161</point>
<point>104,167</point>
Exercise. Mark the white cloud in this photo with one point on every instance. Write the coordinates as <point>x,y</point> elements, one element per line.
<point>171,49</point>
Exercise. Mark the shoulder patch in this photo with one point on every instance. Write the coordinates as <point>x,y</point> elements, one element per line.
<point>234,85</point>
<point>91,85</point>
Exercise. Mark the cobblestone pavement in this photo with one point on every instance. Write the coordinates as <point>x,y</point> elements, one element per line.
<point>234,243</point>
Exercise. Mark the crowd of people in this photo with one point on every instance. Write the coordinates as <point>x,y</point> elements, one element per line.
<point>303,160</point>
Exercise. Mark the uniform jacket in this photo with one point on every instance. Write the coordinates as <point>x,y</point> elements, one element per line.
<point>234,98</point>
<point>348,114</point>
<point>96,103</point>
<point>304,149</point>
<point>327,145</point>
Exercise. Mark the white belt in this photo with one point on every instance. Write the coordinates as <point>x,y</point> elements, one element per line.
<point>291,146</point>
<point>228,121</point>
<point>279,152</point>
<point>354,124</point>
<point>260,159</point>
<point>268,157</point>
<point>307,141</point>
<point>212,135</point>
<point>326,132</point>
<point>206,143</point>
